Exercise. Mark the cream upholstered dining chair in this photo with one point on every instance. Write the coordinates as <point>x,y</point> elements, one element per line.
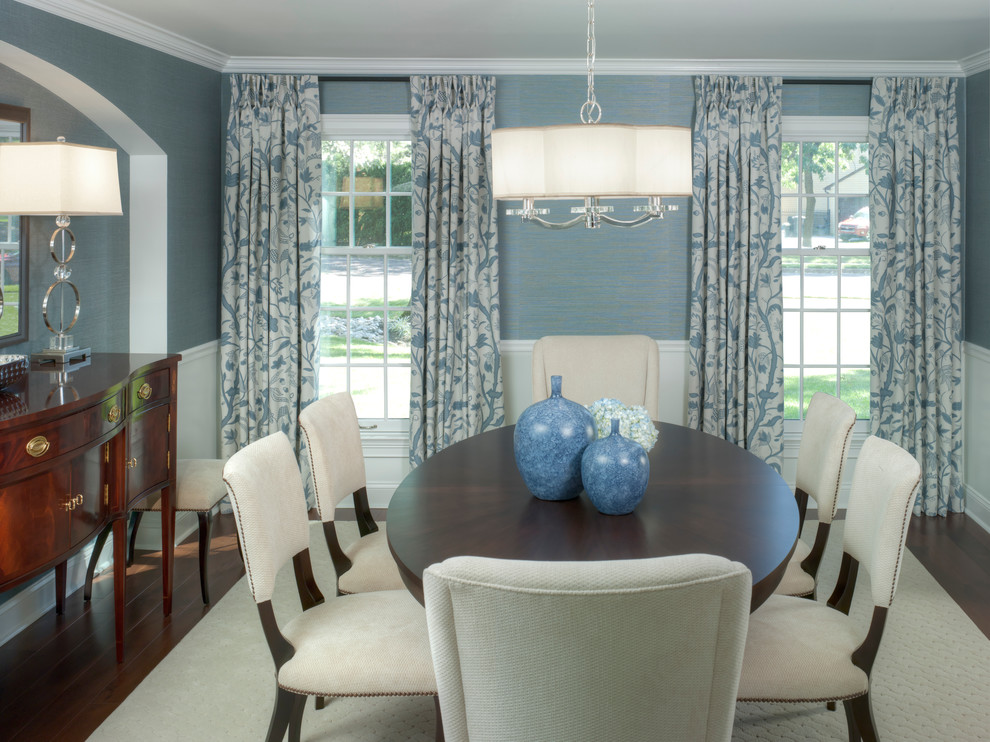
<point>371,644</point>
<point>828,426</point>
<point>198,489</point>
<point>333,444</point>
<point>621,650</point>
<point>801,650</point>
<point>623,367</point>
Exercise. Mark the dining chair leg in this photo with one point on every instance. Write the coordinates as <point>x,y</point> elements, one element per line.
<point>295,720</point>
<point>93,559</point>
<point>135,522</point>
<point>851,722</point>
<point>205,531</point>
<point>863,713</point>
<point>439,732</point>
<point>284,703</point>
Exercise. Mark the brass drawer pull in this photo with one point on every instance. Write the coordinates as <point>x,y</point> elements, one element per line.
<point>132,463</point>
<point>114,414</point>
<point>71,503</point>
<point>38,446</point>
<point>145,391</point>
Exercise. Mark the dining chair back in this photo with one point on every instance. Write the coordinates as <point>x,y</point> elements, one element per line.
<point>825,437</point>
<point>803,651</point>
<point>372,644</point>
<point>622,367</point>
<point>623,650</point>
<point>333,446</point>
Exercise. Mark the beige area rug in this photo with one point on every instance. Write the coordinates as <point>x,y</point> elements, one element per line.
<point>930,680</point>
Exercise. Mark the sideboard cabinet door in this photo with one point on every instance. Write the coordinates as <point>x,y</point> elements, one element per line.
<point>40,506</point>
<point>147,452</point>
<point>90,494</point>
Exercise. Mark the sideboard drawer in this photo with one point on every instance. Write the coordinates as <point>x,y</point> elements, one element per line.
<point>27,446</point>
<point>149,389</point>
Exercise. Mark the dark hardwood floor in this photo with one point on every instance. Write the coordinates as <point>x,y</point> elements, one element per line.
<point>59,678</point>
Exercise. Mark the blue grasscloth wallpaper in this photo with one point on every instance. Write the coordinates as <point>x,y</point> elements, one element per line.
<point>583,281</point>
<point>552,282</point>
<point>96,265</point>
<point>177,103</point>
<point>976,269</point>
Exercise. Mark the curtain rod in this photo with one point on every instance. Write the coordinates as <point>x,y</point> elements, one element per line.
<point>362,78</point>
<point>827,81</point>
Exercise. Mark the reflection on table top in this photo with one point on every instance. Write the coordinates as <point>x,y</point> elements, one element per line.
<point>704,496</point>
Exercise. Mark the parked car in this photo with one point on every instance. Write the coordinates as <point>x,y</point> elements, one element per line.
<point>856,227</point>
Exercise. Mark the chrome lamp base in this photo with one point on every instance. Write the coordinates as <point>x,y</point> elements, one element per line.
<point>60,357</point>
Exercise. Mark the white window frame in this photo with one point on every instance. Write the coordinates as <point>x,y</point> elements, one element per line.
<point>370,127</point>
<point>824,129</point>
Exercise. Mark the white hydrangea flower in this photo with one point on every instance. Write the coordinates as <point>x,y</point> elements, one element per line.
<point>634,421</point>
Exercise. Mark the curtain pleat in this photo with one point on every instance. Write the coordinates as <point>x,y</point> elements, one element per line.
<point>916,257</point>
<point>456,368</point>
<point>735,377</point>
<point>270,273</point>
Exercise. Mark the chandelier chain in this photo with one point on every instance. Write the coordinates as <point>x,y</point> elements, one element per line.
<point>591,111</point>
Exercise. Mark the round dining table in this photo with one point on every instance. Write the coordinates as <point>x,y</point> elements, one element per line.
<point>704,495</point>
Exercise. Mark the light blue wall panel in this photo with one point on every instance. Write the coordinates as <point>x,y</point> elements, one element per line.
<point>977,210</point>
<point>352,97</point>
<point>177,103</point>
<point>826,100</point>
<point>610,280</point>
<point>96,266</point>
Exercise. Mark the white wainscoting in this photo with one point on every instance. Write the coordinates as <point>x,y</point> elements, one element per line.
<point>976,435</point>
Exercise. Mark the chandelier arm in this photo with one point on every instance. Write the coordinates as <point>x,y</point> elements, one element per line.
<point>639,221</point>
<point>554,225</point>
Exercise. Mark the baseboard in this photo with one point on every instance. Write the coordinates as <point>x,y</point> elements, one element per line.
<point>38,597</point>
<point>978,508</point>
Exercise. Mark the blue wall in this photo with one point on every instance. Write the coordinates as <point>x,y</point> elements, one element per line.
<point>177,104</point>
<point>977,210</point>
<point>594,281</point>
<point>97,264</point>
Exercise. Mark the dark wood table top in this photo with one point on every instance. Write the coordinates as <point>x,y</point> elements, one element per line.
<point>704,496</point>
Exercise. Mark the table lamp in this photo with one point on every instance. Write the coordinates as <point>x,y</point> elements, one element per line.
<point>62,180</point>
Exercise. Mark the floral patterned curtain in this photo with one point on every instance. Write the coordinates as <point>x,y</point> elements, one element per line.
<point>456,370</point>
<point>916,255</point>
<point>736,377</point>
<point>270,273</point>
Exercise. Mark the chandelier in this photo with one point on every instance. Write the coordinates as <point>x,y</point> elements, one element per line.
<point>591,161</point>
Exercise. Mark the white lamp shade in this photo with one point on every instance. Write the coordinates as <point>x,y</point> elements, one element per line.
<point>584,160</point>
<point>55,178</point>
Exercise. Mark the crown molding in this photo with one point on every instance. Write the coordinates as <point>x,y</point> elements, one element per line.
<point>979,62</point>
<point>133,29</point>
<point>781,67</point>
<point>100,17</point>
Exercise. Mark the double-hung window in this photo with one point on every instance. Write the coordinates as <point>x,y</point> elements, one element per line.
<point>825,226</point>
<point>366,265</point>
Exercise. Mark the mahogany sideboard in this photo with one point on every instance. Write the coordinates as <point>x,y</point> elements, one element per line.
<point>80,444</point>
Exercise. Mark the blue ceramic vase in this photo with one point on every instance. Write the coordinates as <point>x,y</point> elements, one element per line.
<point>615,472</point>
<point>549,439</point>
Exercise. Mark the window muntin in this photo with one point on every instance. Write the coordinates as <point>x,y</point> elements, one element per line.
<point>366,269</point>
<point>826,269</point>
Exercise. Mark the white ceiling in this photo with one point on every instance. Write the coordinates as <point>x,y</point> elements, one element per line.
<point>841,31</point>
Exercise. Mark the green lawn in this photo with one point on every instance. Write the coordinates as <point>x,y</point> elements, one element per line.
<point>332,346</point>
<point>11,312</point>
<point>855,391</point>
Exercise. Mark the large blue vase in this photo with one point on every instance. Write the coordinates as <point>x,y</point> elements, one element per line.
<point>615,472</point>
<point>549,439</point>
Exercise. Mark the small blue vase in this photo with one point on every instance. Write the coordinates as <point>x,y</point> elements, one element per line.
<point>548,441</point>
<point>615,472</point>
